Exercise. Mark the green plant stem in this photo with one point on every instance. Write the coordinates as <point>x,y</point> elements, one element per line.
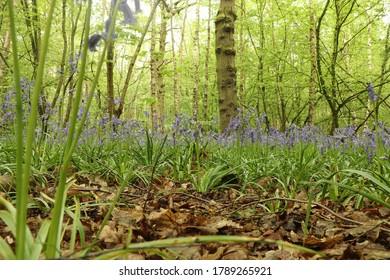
<point>197,152</point>
<point>21,190</point>
<point>35,97</point>
<point>308,212</point>
<point>183,241</point>
<point>23,173</point>
<point>58,211</point>
<point>74,135</point>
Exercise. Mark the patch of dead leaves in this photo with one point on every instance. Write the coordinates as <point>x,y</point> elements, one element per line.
<point>177,210</point>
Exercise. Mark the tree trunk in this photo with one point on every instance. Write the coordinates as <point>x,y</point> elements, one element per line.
<point>226,68</point>
<point>160,67</point>
<point>70,84</point>
<point>174,64</point>
<point>313,66</point>
<point>369,68</point>
<point>195,59</point>
<point>110,78</point>
<point>241,80</point>
<point>282,99</point>
<point>321,77</point>
<point>34,31</point>
<point>118,112</point>
<point>206,66</point>
<point>385,59</point>
<point>181,50</point>
<point>153,76</point>
<point>63,58</point>
<point>5,50</point>
<point>280,69</point>
<point>261,90</point>
<point>331,95</point>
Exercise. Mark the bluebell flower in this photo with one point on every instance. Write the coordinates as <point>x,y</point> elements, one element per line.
<point>117,101</point>
<point>72,64</point>
<point>371,93</point>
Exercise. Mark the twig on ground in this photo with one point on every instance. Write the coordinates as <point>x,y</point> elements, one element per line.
<point>316,204</point>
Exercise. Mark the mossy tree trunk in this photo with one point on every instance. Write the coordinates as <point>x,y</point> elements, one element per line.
<point>226,68</point>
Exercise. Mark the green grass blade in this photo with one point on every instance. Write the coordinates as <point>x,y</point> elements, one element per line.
<point>6,252</point>
<point>40,240</point>
<point>355,190</point>
<point>58,211</point>
<point>370,177</point>
<point>182,241</point>
<point>22,189</point>
<point>9,220</point>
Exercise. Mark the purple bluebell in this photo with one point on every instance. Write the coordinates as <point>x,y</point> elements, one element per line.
<point>371,93</point>
<point>73,64</point>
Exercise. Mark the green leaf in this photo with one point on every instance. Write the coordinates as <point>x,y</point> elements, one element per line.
<point>369,176</point>
<point>6,252</point>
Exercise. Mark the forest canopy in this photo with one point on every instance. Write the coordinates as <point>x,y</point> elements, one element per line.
<point>297,62</point>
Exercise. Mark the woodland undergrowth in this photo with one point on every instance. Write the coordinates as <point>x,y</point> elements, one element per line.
<point>246,194</point>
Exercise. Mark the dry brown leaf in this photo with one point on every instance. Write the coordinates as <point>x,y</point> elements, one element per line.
<point>7,182</point>
<point>370,229</point>
<point>374,251</point>
<point>322,243</point>
<point>336,252</point>
<point>278,255</point>
<point>127,216</point>
<point>99,181</point>
<point>216,223</point>
<point>163,223</point>
<point>384,211</point>
<point>132,257</point>
<point>236,252</point>
<point>109,235</point>
<point>314,242</point>
<point>351,253</point>
<point>215,256</point>
<point>188,253</point>
<point>335,231</point>
<point>189,213</point>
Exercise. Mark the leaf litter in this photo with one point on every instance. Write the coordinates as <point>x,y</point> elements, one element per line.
<point>173,210</point>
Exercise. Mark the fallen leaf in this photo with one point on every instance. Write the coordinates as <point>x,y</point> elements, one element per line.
<point>236,252</point>
<point>108,235</point>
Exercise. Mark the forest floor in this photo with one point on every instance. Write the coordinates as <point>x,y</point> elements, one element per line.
<point>172,210</point>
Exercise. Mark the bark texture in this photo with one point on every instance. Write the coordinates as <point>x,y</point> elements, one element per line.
<point>226,68</point>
